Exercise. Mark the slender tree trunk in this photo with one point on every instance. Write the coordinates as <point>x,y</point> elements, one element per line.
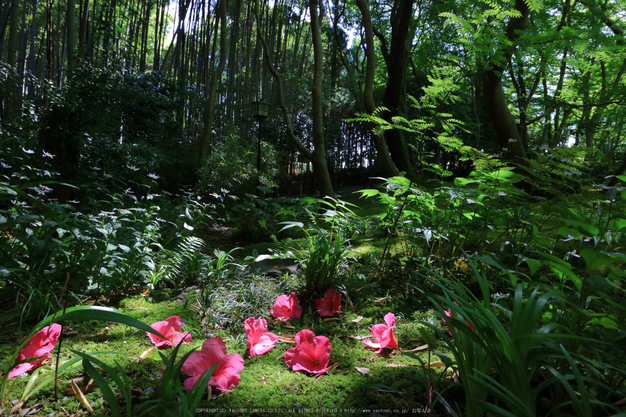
<point>389,169</point>
<point>32,54</point>
<point>71,35</point>
<point>318,156</point>
<point>502,120</point>
<point>11,95</point>
<point>4,20</point>
<point>395,58</point>
<point>209,113</point>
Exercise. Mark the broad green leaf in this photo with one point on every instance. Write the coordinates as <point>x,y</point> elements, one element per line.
<point>533,265</point>
<point>566,231</point>
<point>589,228</point>
<point>594,259</point>
<point>368,193</point>
<point>608,321</point>
<point>460,181</point>
<point>620,224</point>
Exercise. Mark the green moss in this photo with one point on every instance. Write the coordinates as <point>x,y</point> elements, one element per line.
<point>393,381</point>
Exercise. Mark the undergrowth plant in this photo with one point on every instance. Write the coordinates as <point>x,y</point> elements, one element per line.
<point>515,356</point>
<point>326,241</point>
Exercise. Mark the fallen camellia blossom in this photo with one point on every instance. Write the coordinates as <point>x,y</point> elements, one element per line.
<point>383,334</point>
<point>449,314</point>
<point>260,341</point>
<point>330,304</point>
<point>41,344</point>
<point>171,329</point>
<point>226,374</point>
<point>286,307</point>
<point>311,353</point>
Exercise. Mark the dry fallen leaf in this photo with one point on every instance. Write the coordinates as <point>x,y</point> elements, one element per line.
<point>436,364</point>
<point>145,354</point>
<point>395,365</point>
<point>263,381</point>
<point>86,389</point>
<point>81,397</point>
<point>358,319</point>
<point>362,369</point>
<point>287,338</point>
<point>356,337</point>
<point>417,349</point>
<point>380,300</point>
<point>281,356</point>
<point>332,318</point>
<point>333,366</point>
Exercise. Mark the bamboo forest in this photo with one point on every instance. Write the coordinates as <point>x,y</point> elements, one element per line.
<point>324,207</point>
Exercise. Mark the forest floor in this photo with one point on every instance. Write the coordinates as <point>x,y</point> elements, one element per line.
<point>358,381</point>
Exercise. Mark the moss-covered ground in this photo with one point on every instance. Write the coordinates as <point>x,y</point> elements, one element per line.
<point>359,380</point>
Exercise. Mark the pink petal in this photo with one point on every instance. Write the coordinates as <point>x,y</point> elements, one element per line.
<point>213,350</point>
<point>378,330</point>
<point>178,337</point>
<point>390,319</point>
<point>41,344</point>
<point>263,345</point>
<point>311,354</point>
<point>21,368</point>
<point>373,345</point>
<point>171,329</point>
<point>330,304</point>
<point>286,307</point>
<point>254,328</point>
<point>389,339</point>
<point>190,382</point>
<point>225,375</point>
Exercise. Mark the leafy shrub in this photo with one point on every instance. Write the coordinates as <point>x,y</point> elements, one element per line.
<point>327,244</point>
<point>230,167</point>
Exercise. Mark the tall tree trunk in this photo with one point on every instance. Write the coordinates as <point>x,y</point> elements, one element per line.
<point>31,50</point>
<point>395,58</point>
<point>502,120</point>
<point>71,35</point>
<point>209,113</point>
<point>318,156</point>
<point>11,95</point>
<point>82,30</point>
<point>389,169</point>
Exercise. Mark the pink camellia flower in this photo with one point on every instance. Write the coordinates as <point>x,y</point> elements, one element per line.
<point>311,353</point>
<point>170,328</point>
<point>226,374</point>
<point>260,341</point>
<point>41,344</point>
<point>449,314</point>
<point>383,334</point>
<point>330,304</point>
<point>286,307</point>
